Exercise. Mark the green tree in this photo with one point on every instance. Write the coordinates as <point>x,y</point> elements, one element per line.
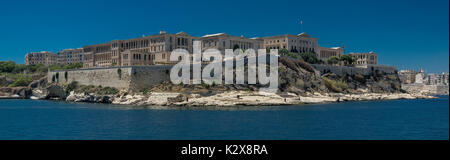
<point>7,66</point>
<point>333,60</point>
<point>309,57</point>
<point>22,81</point>
<point>236,46</point>
<point>293,55</point>
<point>283,51</point>
<point>347,59</point>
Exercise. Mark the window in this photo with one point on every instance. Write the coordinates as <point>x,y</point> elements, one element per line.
<point>163,56</point>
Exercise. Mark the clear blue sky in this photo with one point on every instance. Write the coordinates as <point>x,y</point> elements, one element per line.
<point>405,33</point>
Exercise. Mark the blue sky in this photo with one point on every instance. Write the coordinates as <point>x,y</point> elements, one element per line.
<point>405,33</point>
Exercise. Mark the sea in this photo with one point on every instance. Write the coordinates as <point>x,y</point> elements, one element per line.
<point>421,119</point>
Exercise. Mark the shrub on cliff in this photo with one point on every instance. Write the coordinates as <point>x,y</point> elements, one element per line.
<point>86,89</point>
<point>335,86</point>
<point>295,63</point>
<point>108,90</point>
<point>310,57</point>
<point>305,65</point>
<point>292,55</point>
<point>71,86</point>
<point>22,81</point>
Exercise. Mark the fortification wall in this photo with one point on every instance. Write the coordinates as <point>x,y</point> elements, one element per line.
<point>432,89</point>
<point>134,78</point>
<point>363,70</point>
<point>145,77</point>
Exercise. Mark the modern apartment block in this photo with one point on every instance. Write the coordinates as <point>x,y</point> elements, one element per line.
<point>70,56</point>
<point>44,57</point>
<point>365,58</point>
<point>437,79</point>
<point>300,43</point>
<point>222,41</point>
<point>325,53</point>
<point>407,76</point>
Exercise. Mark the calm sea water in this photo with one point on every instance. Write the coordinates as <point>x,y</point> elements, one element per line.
<point>398,119</point>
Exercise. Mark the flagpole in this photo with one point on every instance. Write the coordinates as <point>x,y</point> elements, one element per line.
<point>301,26</point>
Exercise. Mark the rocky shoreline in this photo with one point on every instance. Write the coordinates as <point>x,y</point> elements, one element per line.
<point>227,98</point>
<point>234,98</point>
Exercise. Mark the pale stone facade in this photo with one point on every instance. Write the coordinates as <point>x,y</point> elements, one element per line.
<point>325,53</point>
<point>407,76</point>
<point>156,49</point>
<point>70,56</point>
<point>147,50</point>
<point>365,58</point>
<point>44,57</point>
<point>300,43</point>
<point>222,41</point>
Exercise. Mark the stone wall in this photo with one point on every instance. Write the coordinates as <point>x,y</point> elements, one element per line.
<point>134,78</point>
<point>431,89</point>
<point>363,70</point>
<point>147,76</point>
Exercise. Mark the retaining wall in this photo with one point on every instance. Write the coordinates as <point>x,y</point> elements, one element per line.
<point>134,78</point>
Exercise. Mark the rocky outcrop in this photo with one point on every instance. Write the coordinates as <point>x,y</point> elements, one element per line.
<point>91,98</point>
<point>40,83</point>
<point>50,92</point>
<point>4,81</point>
<point>250,98</point>
<point>15,92</point>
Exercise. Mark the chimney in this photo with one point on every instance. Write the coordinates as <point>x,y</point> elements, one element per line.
<point>162,32</point>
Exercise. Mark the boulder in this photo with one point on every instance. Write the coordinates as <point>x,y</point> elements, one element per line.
<point>179,98</point>
<point>38,83</point>
<point>54,91</point>
<point>39,93</point>
<point>19,92</point>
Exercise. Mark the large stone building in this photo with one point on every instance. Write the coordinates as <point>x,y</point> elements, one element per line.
<point>300,43</point>
<point>156,49</point>
<point>325,53</point>
<point>365,58</point>
<point>44,57</point>
<point>222,41</point>
<point>70,56</point>
<point>147,50</point>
